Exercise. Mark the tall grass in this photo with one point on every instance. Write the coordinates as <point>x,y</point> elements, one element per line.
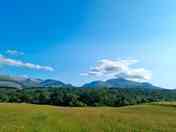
<point>37,118</point>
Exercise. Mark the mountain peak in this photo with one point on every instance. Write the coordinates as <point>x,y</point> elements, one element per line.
<point>52,83</point>
<point>26,82</point>
<point>119,83</point>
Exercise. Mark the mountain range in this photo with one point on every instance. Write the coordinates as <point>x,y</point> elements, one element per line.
<point>119,83</point>
<point>24,82</point>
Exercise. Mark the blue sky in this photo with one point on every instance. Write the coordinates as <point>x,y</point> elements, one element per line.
<point>72,36</point>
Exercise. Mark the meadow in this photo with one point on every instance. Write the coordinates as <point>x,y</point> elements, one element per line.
<point>156,117</point>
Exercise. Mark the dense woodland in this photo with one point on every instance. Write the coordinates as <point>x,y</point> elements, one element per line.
<point>86,97</point>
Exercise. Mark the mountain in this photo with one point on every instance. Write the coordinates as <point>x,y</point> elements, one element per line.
<point>25,82</point>
<point>95,84</point>
<point>28,82</point>
<point>119,83</point>
<point>52,83</point>
<point>9,82</point>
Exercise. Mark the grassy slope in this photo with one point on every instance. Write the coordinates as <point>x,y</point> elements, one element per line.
<point>36,118</point>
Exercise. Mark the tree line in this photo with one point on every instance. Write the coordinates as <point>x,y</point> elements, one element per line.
<point>75,97</point>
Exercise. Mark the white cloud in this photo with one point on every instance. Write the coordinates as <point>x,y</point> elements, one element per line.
<point>119,68</point>
<point>135,74</point>
<point>14,52</point>
<point>12,62</point>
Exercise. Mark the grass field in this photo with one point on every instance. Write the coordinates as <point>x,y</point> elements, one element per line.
<point>36,118</point>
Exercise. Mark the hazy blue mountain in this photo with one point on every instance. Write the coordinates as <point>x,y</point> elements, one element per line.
<point>25,82</point>
<point>18,82</point>
<point>9,82</point>
<point>28,83</point>
<point>119,83</point>
<point>52,83</point>
<point>95,84</point>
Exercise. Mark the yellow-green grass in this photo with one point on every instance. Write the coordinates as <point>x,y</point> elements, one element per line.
<point>38,118</point>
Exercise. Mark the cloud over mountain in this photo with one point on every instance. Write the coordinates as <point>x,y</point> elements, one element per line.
<point>119,69</point>
<point>18,63</point>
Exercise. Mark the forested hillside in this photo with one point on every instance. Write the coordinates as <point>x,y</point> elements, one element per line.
<point>86,97</point>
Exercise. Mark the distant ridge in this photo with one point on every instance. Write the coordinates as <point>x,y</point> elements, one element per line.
<point>24,82</point>
<point>52,83</point>
<point>119,83</point>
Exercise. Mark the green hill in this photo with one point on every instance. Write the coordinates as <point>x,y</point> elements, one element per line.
<point>119,83</point>
<point>38,118</point>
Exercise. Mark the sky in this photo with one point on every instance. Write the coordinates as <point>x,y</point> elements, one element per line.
<point>81,41</point>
